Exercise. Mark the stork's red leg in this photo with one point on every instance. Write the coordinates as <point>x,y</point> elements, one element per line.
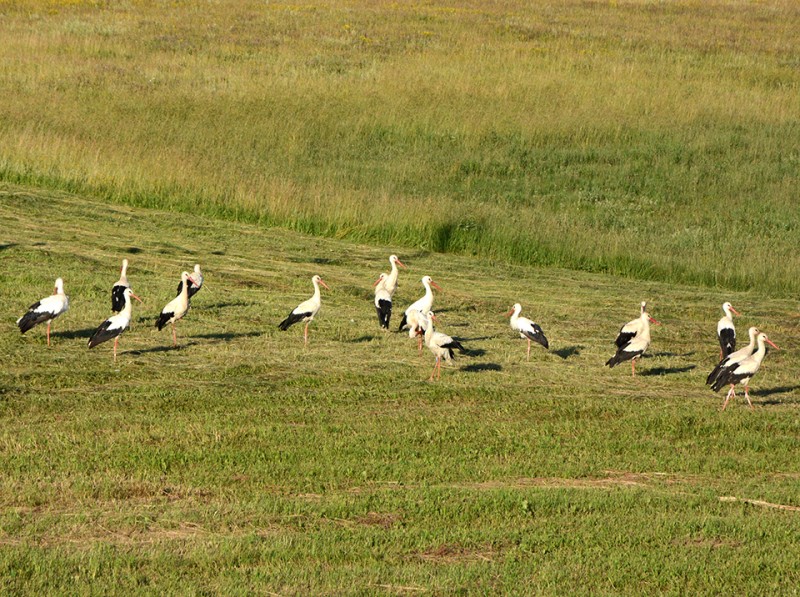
<point>529,350</point>
<point>174,335</point>
<point>115,348</point>
<point>731,394</point>
<point>747,395</point>
<point>48,333</point>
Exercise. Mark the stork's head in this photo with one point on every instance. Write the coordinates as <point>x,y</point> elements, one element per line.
<point>428,281</point>
<point>317,280</point>
<point>129,294</point>
<point>646,315</point>
<point>394,259</point>
<point>727,307</point>
<point>762,337</point>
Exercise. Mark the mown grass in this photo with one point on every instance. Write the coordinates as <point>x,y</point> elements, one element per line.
<point>241,462</point>
<point>652,140</point>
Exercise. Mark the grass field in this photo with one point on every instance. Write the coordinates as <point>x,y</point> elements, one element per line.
<point>656,140</point>
<point>242,463</point>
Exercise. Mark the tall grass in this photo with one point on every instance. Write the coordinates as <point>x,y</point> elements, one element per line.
<point>658,141</point>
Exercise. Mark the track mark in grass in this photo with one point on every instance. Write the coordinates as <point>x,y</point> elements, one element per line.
<point>377,519</point>
<point>762,503</point>
<point>450,553</point>
<point>556,482</point>
<point>402,588</point>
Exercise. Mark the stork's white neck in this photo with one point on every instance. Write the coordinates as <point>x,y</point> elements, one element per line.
<point>515,315</point>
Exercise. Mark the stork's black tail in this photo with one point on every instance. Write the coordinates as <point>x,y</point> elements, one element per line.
<point>384,310</point>
<point>163,319</point>
<point>30,319</point>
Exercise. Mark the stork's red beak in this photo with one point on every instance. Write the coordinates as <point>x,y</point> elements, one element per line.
<point>435,285</point>
<point>137,298</point>
<point>400,263</point>
<point>323,283</point>
<point>735,312</point>
<point>510,313</point>
<point>768,341</point>
<point>654,321</point>
<point>376,282</point>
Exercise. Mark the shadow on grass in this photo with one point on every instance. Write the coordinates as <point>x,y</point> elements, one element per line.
<point>668,370</point>
<point>667,354</point>
<point>134,250</point>
<point>227,336</point>
<point>5,246</point>
<point>569,351</point>
<point>72,334</point>
<point>360,339</point>
<point>480,367</point>
<point>778,390</point>
<point>223,305</point>
<point>165,348</point>
<point>473,352</point>
<point>477,338</point>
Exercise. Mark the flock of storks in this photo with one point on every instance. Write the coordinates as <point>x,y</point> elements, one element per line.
<point>735,366</point>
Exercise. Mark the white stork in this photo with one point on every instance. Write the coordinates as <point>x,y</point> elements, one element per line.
<point>417,324</point>
<point>441,345</point>
<point>195,282</point>
<point>46,309</point>
<point>743,371</point>
<point>526,328</point>
<point>176,308</point>
<point>422,305</point>
<point>726,333</point>
<point>633,340</point>
<point>116,324</point>
<point>118,289</point>
<point>391,280</point>
<point>735,357</point>
<point>306,310</point>
<point>383,301</point>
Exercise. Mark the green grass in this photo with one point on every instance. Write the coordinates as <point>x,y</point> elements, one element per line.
<point>242,463</point>
<point>657,141</point>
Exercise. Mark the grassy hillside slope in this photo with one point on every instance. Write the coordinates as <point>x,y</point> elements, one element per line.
<point>240,462</point>
<point>653,140</point>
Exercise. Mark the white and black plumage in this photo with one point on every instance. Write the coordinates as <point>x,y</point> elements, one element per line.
<point>45,310</point>
<point>422,305</point>
<point>526,328</point>
<point>118,289</point>
<point>735,357</point>
<point>417,324</point>
<point>441,345</point>
<point>116,324</point>
<point>383,301</point>
<point>632,340</point>
<point>743,371</point>
<point>176,308</point>
<point>726,333</point>
<point>391,280</point>
<point>195,282</point>
<point>306,310</point>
